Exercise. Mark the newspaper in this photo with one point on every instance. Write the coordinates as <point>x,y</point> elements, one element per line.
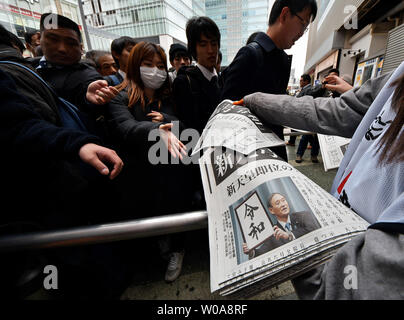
<point>332,149</point>
<point>267,221</point>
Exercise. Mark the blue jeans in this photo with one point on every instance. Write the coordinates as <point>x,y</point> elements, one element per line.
<point>303,145</point>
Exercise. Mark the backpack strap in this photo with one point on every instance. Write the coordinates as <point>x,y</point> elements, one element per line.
<point>68,112</point>
<point>258,53</point>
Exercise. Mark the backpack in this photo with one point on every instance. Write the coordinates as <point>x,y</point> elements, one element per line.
<point>70,115</point>
<point>258,54</point>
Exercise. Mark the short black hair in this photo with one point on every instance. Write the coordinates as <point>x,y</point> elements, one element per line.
<point>295,7</point>
<point>119,44</point>
<point>198,26</point>
<point>90,54</point>
<point>10,39</point>
<point>28,36</point>
<point>178,50</point>
<point>306,77</point>
<point>334,70</point>
<point>50,20</point>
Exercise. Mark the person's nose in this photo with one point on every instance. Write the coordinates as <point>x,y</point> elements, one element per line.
<point>210,48</point>
<point>62,47</point>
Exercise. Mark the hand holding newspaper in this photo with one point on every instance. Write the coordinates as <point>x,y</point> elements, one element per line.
<point>267,222</point>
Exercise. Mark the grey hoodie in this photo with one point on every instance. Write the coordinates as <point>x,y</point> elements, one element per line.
<point>330,116</point>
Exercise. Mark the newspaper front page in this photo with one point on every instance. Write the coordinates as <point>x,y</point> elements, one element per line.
<point>332,149</point>
<point>267,221</point>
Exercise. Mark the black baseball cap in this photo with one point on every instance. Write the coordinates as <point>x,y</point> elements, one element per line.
<point>52,20</point>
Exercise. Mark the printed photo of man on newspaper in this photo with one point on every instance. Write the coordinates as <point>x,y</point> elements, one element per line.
<point>289,226</point>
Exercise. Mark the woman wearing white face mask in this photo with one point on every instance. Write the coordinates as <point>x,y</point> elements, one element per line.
<point>146,93</point>
<point>144,104</point>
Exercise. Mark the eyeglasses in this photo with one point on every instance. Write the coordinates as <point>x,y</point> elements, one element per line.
<point>305,26</point>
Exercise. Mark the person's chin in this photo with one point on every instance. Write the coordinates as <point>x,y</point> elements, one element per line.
<point>63,61</point>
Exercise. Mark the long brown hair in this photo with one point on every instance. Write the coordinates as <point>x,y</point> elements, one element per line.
<point>392,143</point>
<point>143,50</point>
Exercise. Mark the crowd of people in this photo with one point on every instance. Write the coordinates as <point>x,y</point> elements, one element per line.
<point>76,133</point>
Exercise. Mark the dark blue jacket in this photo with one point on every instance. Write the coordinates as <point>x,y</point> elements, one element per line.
<point>251,71</point>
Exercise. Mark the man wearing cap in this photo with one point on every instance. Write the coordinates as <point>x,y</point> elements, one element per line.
<point>179,57</point>
<point>60,66</point>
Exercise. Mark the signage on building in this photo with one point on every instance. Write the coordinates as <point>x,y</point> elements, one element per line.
<point>368,70</point>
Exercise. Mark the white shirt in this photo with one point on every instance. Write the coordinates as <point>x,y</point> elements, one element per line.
<point>206,73</point>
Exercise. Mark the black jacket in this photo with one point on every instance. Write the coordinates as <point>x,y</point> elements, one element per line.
<point>267,71</point>
<point>157,186</point>
<point>196,98</point>
<point>31,129</point>
<point>247,74</point>
<point>41,168</point>
<point>71,83</point>
<point>130,126</point>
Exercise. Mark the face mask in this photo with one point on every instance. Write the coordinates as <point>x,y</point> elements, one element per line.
<point>152,78</point>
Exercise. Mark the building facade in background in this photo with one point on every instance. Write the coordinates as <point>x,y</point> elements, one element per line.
<point>159,21</point>
<point>362,38</point>
<point>237,20</point>
<point>20,16</point>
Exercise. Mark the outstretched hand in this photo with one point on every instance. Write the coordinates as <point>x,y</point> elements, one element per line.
<point>98,92</point>
<point>337,84</point>
<point>156,116</point>
<point>97,157</point>
<point>174,146</point>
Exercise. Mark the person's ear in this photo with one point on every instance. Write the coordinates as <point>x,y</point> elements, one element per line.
<point>284,14</point>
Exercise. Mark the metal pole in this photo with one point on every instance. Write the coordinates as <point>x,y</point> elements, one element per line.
<point>106,233</point>
<point>84,24</point>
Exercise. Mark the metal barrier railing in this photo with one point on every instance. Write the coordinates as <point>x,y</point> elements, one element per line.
<point>141,228</point>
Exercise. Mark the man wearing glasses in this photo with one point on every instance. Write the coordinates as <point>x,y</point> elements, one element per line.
<point>263,66</point>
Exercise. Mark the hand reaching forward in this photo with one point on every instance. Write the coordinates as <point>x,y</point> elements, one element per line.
<point>337,84</point>
<point>97,157</point>
<point>98,92</point>
<point>175,146</point>
<point>156,116</point>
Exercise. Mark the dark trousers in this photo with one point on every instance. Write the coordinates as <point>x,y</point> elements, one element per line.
<point>292,139</point>
<point>304,142</point>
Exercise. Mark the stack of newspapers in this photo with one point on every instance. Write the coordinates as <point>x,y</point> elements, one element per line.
<point>267,222</point>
